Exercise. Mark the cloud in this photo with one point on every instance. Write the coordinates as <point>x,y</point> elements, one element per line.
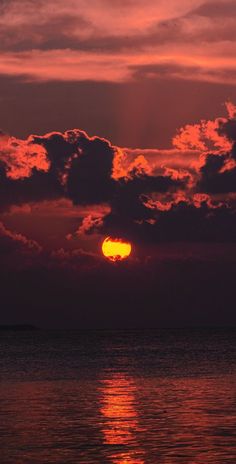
<point>182,194</point>
<point>204,136</point>
<point>217,140</point>
<point>155,62</point>
<point>186,222</point>
<point>218,175</point>
<point>82,19</point>
<point>77,260</point>
<point>71,165</point>
<point>21,157</point>
<point>118,41</point>
<point>64,65</point>
<point>17,240</point>
<point>39,186</point>
<point>83,165</point>
<point>16,250</point>
<point>216,9</point>
<point>90,224</point>
<point>159,160</point>
<point>180,220</point>
<point>178,207</point>
<point>195,201</point>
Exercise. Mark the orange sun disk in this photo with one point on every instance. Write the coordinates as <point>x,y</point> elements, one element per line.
<point>115,249</point>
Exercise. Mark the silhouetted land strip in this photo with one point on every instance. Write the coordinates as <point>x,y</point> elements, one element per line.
<point>18,327</point>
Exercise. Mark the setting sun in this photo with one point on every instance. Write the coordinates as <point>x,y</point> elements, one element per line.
<point>115,249</point>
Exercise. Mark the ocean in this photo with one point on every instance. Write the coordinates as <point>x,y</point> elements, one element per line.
<point>118,397</point>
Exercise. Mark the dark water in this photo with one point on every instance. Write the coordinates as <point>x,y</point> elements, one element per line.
<point>118,397</point>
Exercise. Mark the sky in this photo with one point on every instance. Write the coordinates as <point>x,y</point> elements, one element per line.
<point>118,119</point>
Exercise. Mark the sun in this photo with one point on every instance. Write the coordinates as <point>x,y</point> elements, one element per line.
<point>116,249</point>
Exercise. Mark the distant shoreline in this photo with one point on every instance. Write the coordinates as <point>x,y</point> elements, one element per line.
<point>30,327</point>
<point>18,327</point>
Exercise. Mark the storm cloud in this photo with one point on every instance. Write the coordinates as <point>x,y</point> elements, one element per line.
<point>149,196</point>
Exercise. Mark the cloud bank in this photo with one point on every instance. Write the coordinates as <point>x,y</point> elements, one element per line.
<point>118,41</point>
<point>186,194</point>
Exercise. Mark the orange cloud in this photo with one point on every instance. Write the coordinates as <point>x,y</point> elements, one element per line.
<point>231,108</point>
<point>126,167</point>
<point>91,223</point>
<point>22,156</point>
<point>117,41</point>
<point>99,18</point>
<point>203,136</point>
<point>66,64</point>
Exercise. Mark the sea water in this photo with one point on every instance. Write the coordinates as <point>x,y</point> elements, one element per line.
<point>118,397</point>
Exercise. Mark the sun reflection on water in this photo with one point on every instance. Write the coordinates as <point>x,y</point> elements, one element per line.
<point>120,425</point>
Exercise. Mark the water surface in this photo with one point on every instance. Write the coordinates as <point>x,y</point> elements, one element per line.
<point>118,397</point>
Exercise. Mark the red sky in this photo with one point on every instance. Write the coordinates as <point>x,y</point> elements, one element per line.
<point>114,41</point>
<point>117,118</point>
<point>129,71</point>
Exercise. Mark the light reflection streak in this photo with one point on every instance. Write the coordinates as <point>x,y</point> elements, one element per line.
<point>120,425</point>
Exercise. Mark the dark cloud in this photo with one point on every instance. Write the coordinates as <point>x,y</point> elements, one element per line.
<point>16,250</point>
<point>144,203</point>
<point>39,186</point>
<point>127,205</point>
<point>89,177</point>
<point>183,222</point>
<point>190,223</point>
<point>75,166</point>
<point>79,167</point>
<point>228,128</point>
<point>218,175</point>
<point>10,241</point>
<point>83,164</point>
<point>174,70</point>
<point>216,9</point>
<point>216,171</point>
